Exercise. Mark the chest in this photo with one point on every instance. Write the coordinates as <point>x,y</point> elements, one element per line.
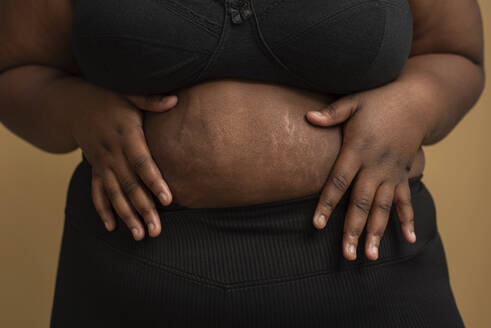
<point>154,46</point>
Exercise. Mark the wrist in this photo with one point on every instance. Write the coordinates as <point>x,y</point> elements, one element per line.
<point>425,98</point>
<point>62,97</point>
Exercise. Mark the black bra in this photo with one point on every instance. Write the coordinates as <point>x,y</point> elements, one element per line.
<point>157,46</point>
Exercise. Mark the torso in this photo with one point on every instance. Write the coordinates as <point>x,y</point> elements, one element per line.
<point>231,141</point>
<point>237,142</point>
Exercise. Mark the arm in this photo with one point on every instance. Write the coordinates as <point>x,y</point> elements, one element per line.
<point>45,100</point>
<point>38,73</point>
<point>35,54</point>
<point>384,127</point>
<point>446,63</point>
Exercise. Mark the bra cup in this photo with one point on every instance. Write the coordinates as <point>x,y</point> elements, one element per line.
<point>138,46</point>
<point>355,48</point>
<point>136,66</point>
<point>395,49</point>
<point>157,46</point>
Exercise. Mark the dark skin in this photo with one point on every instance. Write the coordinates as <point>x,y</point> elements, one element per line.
<point>41,79</point>
<point>441,81</point>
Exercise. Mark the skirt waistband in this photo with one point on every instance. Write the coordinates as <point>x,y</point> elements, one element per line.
<point>240,246</point>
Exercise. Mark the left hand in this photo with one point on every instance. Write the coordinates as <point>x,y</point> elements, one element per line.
<point>382,133</point>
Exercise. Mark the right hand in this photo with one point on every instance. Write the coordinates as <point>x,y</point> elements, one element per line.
<point>108,128</point>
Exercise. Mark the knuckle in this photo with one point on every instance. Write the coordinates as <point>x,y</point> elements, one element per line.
<point>98,205</point>
<point>375,241</point>
<point>368,142</point>
<point>378,233</point>
<point>353,232</point>
<point>98,201</point>
<point>103,213</point>
<point>100,157</point>
<point>146,210</point>
<point>386,154</point>
<point>409,220</point>
<point>330,109</point>
<point>112,193</point>
<point>95,178</point>
<point>327,203</point>
<point>136,128</point>
<point>96,175</point>
<point>384,207</point>
<point>154,184</point>
<point>107,147</point>
<point>129,186</point>
<point>111,165</point>
<point>405,202</point>
<point>354,102</point>
<point>363,204</point>
<point>120,129</point>
<point>339,182</point>
<point>127,217</point>
<point>140,162</point>
<point>125,129</point>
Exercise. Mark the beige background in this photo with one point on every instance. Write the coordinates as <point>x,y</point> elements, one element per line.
<point>34,185</point>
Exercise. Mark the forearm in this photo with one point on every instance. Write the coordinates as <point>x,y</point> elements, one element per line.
<point>32,106</point>
<point>447,87</point>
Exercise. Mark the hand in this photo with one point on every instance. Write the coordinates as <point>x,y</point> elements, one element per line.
<point>382,133</point>
<point>108,128</point>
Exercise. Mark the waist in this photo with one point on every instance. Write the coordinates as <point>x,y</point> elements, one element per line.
<point>242,246</point>
<point>234,142</point>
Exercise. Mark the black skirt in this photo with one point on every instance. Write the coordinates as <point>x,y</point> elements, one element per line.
<point>262,265</point>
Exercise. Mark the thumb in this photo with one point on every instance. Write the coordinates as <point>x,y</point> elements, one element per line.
<point>153,103</point>
<point>335,112</point>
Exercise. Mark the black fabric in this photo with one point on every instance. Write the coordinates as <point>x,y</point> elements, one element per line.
<point>263,265</point>
<point>159,46</point>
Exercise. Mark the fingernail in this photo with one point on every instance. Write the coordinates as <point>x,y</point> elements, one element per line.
<point>170,98</point>
<point>351,249</point>
<point>164,199</point>
<point>108,227</point>
<point>375,250</point>
<point>135,232</point>
<point>413,235</point>
<point>151,226</point>
<point>318,114</point>
<point>321,220</point>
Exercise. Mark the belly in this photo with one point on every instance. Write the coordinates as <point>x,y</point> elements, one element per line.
<point>232,143</point>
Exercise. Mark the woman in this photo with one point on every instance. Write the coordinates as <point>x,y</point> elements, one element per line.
<point>270,151</point>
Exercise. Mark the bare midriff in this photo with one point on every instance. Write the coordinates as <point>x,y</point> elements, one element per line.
<point>236,142</point>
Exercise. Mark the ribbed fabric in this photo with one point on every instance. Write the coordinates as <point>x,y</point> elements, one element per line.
<point>263,265</point>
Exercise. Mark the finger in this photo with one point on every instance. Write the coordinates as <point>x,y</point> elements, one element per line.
<point>343,172</point>
<point>377,221</point>
<point>334,113</point>
<point>405,211</point>
<point>101,203</point>
<point>142,163</point>
<point>122,206</point>
<point>361,200</point>
<point>153,103</point>
<point>139,198</point>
